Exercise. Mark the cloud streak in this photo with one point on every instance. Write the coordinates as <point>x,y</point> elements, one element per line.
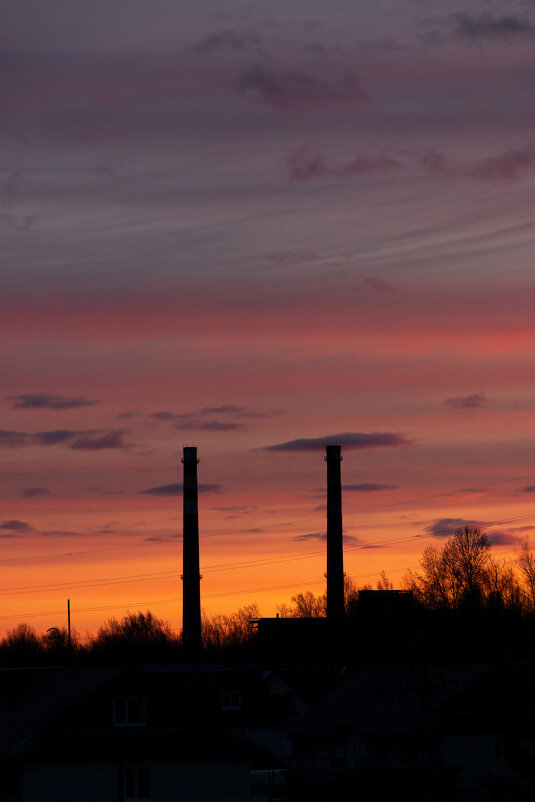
<point>488,28</point>
<point>175,489</point>
<point>235,418</point>
<point>306,164</point>
<point>368,487</point>
<point>78,440</point>
<point>322,536</point>
<point>349,440</point>
<point>46,401</point>
<point>282,89</point>
<point>35,492</point>
<point>473,401</point>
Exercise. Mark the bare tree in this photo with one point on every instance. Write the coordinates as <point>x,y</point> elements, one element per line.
<point>309,606</point>
<point>502,585</point>
<point>284,611</point>
<point>223,632</point>
<point>135,631</point>
<point>456,574</point>
<point>435,583</point>
<point>466,557</point>
<point>21,646</point>
<point>384,583</point>
<point>525,563</point>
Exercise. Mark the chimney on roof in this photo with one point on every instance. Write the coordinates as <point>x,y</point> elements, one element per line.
<point>191,578</point>
<point>335,552</point>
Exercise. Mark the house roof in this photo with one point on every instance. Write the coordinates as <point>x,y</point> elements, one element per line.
<point>41,701</point>
<point>392,699</point>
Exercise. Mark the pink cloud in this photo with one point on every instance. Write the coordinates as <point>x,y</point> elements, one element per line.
<point>306,163</point>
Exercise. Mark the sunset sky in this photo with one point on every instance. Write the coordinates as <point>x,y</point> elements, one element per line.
<point>258,227</point>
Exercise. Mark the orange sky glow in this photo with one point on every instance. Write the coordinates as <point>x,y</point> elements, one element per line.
<point>239,228</point>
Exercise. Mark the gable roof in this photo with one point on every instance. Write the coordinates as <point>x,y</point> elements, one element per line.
<point>380,700</point>
<point>41,701</point>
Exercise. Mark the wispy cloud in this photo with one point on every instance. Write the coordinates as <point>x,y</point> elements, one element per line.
<point>306,163</point>
<point>236,508</point>
<point>286,89</point>
<point>489,28</point>
<point>355,440</point>
<point>378,284</point>
<point>225,418</point>
<point>510,165</point>
<point>369,487</point>
<point>175,489</point>
<point>473,401</point>
<point>221,41</point>
<point>81,440</point>
<point>35,492</point>
<point>47,401</point>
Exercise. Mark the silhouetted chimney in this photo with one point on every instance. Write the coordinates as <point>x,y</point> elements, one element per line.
<point>335,551</point>
<point>191,590</point>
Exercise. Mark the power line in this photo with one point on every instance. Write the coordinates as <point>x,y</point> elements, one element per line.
<point>115,580</point>
<point>178,600</point>
<point>347,511</point>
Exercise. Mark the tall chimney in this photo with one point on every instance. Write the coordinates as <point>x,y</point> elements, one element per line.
<point>335,552</point>
<point>191,589</point>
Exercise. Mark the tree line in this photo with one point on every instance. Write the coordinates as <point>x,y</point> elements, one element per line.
<point>461,576</point>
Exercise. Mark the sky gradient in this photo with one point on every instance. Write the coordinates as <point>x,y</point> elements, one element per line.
<point>256,228</point>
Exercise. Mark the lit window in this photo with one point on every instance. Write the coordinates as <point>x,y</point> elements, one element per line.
<point>137,782</point>
<point>231,700</point>
<point>129,711</point>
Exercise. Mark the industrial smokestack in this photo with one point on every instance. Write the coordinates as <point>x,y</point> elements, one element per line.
<point>335,551</point>
<point>191,589</point>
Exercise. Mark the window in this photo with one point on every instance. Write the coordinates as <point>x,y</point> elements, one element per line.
<point>137,782</point>
<point>231,700</point>
<point>129,711</point>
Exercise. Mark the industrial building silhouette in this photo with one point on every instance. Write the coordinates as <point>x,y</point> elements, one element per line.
<point>295,642</point>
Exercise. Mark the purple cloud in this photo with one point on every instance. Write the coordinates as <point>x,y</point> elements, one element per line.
<point>486,27</point>
<point>378,284</point>
<point>175,489</point>
<point>53,437</point>
<point>528,489</point>
<point>322,536</point>
<point>281,89</point>
<point>506,166</point>
<point>10,439</point>
<point>203,419</point>
<point>35,492</point>
<point>305,164</point>
<point>20,527</point>
<point>46,401</point>
<point>227,40</point>
<point>474,401</point>
<point>85,439</point>
<point>501,537</point>
<point>93,441</point>
<point>446,527</point>
<point>212,426</point>
<point>348,440</point>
